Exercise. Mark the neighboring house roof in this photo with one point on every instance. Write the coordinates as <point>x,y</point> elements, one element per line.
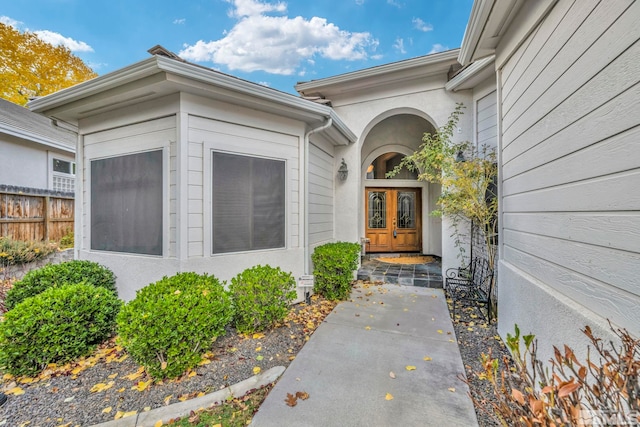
<point>20,122</point>
<point>161,75</point>
<point>382,75</point>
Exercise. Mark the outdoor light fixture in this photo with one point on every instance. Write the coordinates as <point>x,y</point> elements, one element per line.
<point>460,157</point>
<point>343,171</point>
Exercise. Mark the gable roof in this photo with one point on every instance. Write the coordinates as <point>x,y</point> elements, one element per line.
<point>161,75</point>
<point>381,75</point>
<point>18,121</point>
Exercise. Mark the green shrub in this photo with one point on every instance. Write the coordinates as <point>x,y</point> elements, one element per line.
<point>171,322</point>
<point>334,264</point>
<point>52,275</point>
<point>56,326</point>
<point>14,252</point>
<point>261,297</point>
<point>67,240</point>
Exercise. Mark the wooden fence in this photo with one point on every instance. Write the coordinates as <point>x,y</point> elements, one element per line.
<point>28,217</point>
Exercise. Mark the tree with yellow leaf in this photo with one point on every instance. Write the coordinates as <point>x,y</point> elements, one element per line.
<point>31,67</point>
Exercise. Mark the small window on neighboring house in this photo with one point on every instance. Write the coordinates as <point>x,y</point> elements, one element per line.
<point>64,173</point>
<point>126,203</point>
<point>248,203</point>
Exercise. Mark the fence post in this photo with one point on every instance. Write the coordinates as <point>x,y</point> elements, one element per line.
<point>47,216</point>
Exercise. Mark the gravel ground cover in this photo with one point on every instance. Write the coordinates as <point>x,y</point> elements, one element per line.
<point>476,336</point>
<point>109,384</point>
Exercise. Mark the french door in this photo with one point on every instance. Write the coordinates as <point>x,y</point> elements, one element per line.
<point>393,220</point>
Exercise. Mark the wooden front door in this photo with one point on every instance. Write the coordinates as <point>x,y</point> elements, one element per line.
<point>393,220</point>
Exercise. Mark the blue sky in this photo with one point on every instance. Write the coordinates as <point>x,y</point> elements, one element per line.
<point>275,43</point>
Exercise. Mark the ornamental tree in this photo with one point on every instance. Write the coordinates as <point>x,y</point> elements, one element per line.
<point>467,176</point>
<point>31,67</point>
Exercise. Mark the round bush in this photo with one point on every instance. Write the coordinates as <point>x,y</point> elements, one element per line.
<point>261,297</point>
<point>170,323</point>
<point>56,326</point>
<point>66,273</point>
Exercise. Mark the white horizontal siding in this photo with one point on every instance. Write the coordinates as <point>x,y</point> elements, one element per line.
<point>129,139</point>
<point>487,122</point>
<point>207,135</point>
<point>321,221</point>
<point>571,171</point>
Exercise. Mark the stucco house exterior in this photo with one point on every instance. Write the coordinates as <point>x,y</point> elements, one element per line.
<point>566,76</point>
<point>218,161</point>
<point>36,154</point>
<point>182,168</point>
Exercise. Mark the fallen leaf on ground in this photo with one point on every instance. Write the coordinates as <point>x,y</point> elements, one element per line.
<point>302,395</point>
<point>439,331</point>
<point>141,386</point>
<point>258,335</point>
<point>368,328</point>
<point>256,370</point>
<point>427,358</point>
<point>101,387</point>
<point>392,375</point>
<point>158,423</point>
<point>389,396</point>
<point>452,389</point>
<point>16,391</point>
<point>107,410</point>
<point>410,368</point>
<point>291,400</point>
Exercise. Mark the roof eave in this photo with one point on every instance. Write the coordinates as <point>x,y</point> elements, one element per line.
<point>466,78</point>
<point>159,64</point>
<point>414,63</point>
<point>30,136</point>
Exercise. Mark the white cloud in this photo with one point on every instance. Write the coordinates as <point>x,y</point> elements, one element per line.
<point>278,44</point>
<point>267,84</point>
<point>419,24</point>
<point>179,21</point>
<point>10,22</point>
<point>255,8</point>
<point>437,48</point>
<point>58,39</point>
<point>399,45</point>
<point>395,3</point>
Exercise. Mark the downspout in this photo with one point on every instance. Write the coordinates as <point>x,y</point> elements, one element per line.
<point>305,179</point>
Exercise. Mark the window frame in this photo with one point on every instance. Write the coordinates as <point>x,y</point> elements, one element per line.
<point>87,244</point>
<point>209,229</point>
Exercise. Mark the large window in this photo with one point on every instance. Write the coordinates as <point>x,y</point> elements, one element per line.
<point>248,203</point>
<point>126,203</point>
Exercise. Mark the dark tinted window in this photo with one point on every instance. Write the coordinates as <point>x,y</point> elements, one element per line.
<point>126,203</point>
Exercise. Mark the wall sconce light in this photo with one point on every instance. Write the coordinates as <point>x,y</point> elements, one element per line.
<point>343,171</point>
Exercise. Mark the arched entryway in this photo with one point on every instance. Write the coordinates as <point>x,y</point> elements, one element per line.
<point>395,215</point>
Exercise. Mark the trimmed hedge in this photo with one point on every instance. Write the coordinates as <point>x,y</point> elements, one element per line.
<point>54,275</point>
<point>333,267</point>
<point>56,326</point>
<point>261,297</point>
<point>172,322</point>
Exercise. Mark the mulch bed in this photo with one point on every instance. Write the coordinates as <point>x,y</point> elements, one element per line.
<point>109,384</point>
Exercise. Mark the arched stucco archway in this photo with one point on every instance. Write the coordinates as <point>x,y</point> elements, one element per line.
<point>401,132</point>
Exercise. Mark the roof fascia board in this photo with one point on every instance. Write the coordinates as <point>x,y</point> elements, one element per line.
<point>30,136</point>
<point>125,75</point>
<point>477,21</point>
<point>409,64</point>
<point>467,74</point>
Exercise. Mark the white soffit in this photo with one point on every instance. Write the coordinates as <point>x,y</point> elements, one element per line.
<point>472,75</point>
<point>488,22</point>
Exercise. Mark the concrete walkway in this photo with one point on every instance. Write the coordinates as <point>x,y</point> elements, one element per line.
<point>347,366</point>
